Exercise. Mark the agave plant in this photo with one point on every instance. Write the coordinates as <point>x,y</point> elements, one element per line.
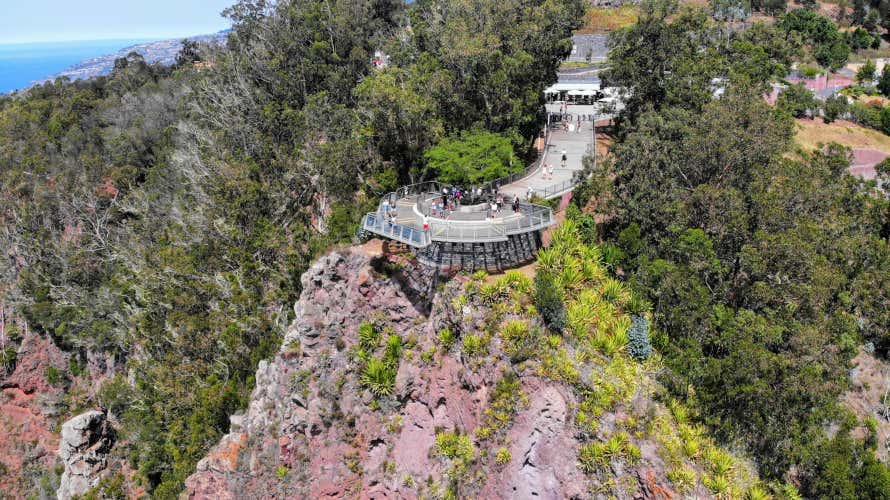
<point>379,377</point>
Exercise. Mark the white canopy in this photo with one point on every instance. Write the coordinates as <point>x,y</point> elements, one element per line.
<point>572,87</point>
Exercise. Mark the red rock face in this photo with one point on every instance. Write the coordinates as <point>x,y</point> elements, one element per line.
<point>27,437</point>
<point>36,355</point>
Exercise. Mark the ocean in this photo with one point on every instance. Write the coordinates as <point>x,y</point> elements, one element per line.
<point>22,64</point>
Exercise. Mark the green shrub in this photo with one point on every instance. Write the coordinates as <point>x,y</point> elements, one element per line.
<point>503,456</point>
<point>474,345</point>
<point>54,375</point>
<point>638,345</point>
<point>8,358</point>
<point>456,447</point>
<point>446,338</point>
<point>472,158</point>
<point>549,302</point>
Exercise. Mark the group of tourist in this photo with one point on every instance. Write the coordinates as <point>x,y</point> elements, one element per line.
<point>496,205</point>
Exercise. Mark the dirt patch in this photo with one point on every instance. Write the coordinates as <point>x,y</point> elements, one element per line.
<point>870,382</point>
<point>813,133</point>
<point>607,20</point>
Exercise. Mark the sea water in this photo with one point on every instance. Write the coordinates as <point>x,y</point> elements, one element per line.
<point>23,64</point>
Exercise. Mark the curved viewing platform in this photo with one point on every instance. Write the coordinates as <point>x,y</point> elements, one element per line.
<point>413,214</point>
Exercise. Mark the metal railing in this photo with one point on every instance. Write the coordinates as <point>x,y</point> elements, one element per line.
<point>376,223</point>
<point>531,217</point>
<point>560,187</point>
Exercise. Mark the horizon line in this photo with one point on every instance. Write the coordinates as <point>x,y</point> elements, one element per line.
<point>114,39</point>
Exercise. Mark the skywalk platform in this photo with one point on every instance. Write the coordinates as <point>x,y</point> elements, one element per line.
<point>470,236</point>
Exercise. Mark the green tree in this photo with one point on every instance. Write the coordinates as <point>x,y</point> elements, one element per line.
<point>865,75</point>
<point>835,106</point>
<point>797,100</point>
<point>472,158</point>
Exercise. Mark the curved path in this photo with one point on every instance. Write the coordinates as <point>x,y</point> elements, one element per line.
<point>401,215</point>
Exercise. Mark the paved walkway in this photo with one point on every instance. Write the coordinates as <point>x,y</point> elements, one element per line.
<point>576,145</point>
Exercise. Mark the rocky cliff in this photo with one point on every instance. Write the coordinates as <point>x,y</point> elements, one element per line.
<point>467,414</point>
<point>83,449</point>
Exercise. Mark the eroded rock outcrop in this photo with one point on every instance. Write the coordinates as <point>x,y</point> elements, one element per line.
<point>314,430</point>
<point>83,449</point>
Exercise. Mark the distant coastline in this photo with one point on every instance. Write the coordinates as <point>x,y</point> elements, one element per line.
<point>25,65</point>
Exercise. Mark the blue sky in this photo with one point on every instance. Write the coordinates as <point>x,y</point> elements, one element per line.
<point>29,21</point>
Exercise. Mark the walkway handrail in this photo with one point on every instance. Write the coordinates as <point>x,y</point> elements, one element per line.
<point>375,223</point>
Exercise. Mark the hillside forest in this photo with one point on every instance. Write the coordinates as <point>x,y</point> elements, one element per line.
<point>156,222</point>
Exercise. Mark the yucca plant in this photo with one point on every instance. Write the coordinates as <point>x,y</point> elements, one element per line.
<point>756,493</point>
<point>517,281</point>
<point>636,305</point>
<point>368,336</point>
<point>566,237</point>
<point>612,255</point>
<point>609,344</point>
<point>720,463</point>
<point>378,377</point>
<point>549,260</point>
<point>579,318</point>
<point>692,447</point>
<point>633,453</point>
<point>491,293</point>
<point>682,477</point>
<point>613,292</point>
<point>592,272</point>
<point>678,410</point>
<point>720,486</point>
<point>570,278</point>
<point>592,457</point>
<point>393,350</point>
